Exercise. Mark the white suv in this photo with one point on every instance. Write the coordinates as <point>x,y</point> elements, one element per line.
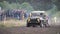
<point>37,18</point>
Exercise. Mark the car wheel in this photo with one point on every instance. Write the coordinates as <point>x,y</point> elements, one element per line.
<point>28,25</point>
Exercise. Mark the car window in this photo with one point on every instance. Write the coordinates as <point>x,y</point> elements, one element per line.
<point>35,14</point>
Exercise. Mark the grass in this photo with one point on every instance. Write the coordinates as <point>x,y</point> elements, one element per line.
<point>12,23</point>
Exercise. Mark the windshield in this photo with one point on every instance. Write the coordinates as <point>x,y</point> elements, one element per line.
<point>35,14</point>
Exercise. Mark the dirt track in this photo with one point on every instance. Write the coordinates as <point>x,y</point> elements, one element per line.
<point>30,30</point>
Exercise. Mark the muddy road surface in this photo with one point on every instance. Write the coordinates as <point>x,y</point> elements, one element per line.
<point>53,29</point>
<point>31,30</point>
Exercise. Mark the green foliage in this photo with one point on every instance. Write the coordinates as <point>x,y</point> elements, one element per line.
<point>4,5</point>
<point>54,0</point>
<point>13,6</point>
<point>57,14</point>
<point>52,11</point>
<point>25,6</point>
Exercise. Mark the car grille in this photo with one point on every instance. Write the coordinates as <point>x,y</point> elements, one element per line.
<point>33,20</point>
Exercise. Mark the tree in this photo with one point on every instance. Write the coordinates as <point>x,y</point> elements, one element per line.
<point>26,6</point>
<point>4,5</point>
<point>57,3</point>
<point>52,11</point>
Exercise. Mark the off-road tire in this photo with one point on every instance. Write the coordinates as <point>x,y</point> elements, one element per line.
<point>28,25</point>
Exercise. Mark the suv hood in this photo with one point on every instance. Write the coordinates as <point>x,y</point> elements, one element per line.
<point>34,17</point>
<point>41,18</point>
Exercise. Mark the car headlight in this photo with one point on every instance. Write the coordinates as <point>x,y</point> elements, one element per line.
<point>38,20</point>
<point>28,19</point>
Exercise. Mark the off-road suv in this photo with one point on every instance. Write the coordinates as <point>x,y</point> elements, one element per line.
<point>37,18</point>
